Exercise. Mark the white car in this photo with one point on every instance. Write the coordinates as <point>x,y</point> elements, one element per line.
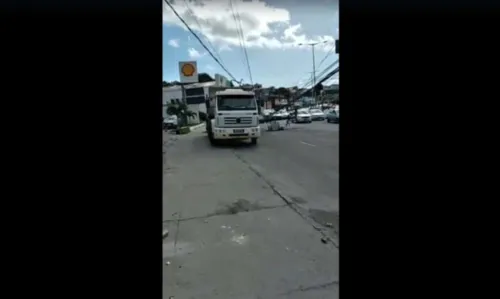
<point>317,114</point>
<point>282,114</point>
<point>268,111</point>
<point>170,122</point>
<point>303,117</point>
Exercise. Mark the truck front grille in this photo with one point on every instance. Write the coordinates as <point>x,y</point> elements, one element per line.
<point>234,121</point>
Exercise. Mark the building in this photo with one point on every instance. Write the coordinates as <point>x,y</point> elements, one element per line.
<point>222,81</point>
<point>265,98</point>
<point>196,94</point>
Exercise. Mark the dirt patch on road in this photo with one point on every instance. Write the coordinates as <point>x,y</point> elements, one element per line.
<point>329,219</point>
<point>238,206</point>
<point>298,199</point>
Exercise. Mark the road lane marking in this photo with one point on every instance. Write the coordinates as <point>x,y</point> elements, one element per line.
<point>307,143</point>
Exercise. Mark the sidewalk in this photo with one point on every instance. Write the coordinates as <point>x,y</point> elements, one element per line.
<point>230,236</point>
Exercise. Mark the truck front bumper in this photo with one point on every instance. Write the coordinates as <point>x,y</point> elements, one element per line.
<point>236,133</point>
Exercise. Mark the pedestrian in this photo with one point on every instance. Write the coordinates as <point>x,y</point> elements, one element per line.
<point>288,119</point>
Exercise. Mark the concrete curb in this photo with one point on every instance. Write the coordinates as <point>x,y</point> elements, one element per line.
<point>195,128</point>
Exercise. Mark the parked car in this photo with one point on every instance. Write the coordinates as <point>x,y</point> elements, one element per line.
<point>282,114</point>
<point>170,122</point>
<point>303,117</point>
<point>332,116</point>
<point>266,115</point>
<point>317,114</point>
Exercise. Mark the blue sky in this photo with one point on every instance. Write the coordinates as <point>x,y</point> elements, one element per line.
<point>272,30</point>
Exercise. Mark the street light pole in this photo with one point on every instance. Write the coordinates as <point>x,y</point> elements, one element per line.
<point>312,45</point>
<point>314,76</point>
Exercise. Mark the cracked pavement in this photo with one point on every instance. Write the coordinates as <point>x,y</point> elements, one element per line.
<point>240,229</point>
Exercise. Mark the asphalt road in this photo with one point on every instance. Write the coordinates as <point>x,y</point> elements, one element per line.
<point>232,230</point>
<point>302,162</point>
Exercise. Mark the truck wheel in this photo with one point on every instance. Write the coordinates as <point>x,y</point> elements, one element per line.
<point>211,138</point>
<point>214,142</point>
<point>254,141</point>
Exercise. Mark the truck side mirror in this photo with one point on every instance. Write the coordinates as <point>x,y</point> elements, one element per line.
<point>211,113</point>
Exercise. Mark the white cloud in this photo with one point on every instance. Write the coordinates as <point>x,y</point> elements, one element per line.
<point>174,43</point>
<point>194,54</point>
<point>263,26</point>
<point>225,48</point>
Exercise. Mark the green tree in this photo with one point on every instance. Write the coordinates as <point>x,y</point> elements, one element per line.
<point>181,111</point>
<point>283,93</point>
<point>318,88</point>
<point>272,90</point>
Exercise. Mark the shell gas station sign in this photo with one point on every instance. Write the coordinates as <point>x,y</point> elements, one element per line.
<point>188,72</point>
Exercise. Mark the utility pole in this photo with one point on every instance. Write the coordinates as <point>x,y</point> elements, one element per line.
<point>312,45</point>
<point>314,76</point>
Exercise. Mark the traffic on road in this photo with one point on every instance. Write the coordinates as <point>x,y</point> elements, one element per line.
<point>250,163</point>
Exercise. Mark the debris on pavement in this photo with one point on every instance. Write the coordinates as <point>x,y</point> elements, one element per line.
<point>165,233</point>
<point>324,240</point>
<point>167,263</point>
<point>329,224</point>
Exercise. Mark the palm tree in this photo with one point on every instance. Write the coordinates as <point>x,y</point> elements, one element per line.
<point>182,111</point>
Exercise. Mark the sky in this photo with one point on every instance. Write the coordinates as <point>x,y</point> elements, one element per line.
<point>271,29</point>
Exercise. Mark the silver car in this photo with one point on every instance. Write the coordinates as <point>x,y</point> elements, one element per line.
<point>317,114</point>
<point>303,117</point>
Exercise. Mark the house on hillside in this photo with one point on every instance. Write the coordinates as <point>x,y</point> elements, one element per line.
<point>331,93</point>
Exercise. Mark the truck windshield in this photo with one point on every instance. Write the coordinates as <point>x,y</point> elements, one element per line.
<point>236,102</point>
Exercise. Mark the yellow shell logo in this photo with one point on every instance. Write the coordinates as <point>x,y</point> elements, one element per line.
<point>188,70</point>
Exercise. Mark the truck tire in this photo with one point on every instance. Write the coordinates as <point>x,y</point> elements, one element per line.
<point>254,141</point>
<point>211,138</point>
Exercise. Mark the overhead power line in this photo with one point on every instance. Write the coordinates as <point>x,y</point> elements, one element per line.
<point>199,26</point>
<point>328,76</point>
<point>327,55</point>
<point>321,73</point>
<point>201,42</point>
<point>240,40</point>
<point>241,36</point>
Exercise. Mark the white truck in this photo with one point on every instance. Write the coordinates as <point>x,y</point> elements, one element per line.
<point>233,114</point>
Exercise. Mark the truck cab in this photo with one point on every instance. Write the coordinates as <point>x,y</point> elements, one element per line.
<point>233,114</point>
